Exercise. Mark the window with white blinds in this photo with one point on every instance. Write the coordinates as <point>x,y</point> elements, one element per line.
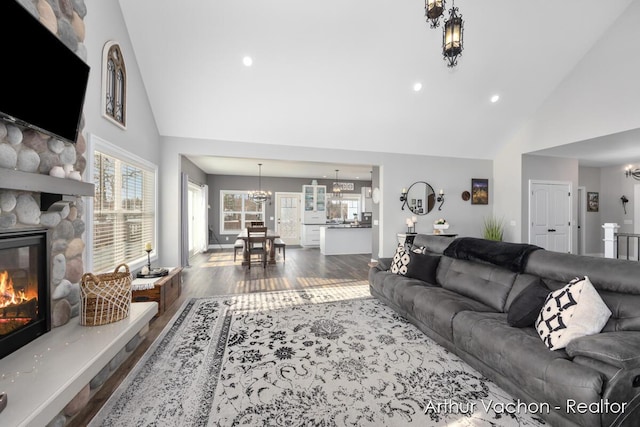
<point>237,210</point>
<point>124,211</point>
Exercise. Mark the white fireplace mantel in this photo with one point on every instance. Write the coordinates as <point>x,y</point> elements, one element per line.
<point>43,376</point>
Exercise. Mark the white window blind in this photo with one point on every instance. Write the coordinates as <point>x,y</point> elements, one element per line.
<point>123,211</point>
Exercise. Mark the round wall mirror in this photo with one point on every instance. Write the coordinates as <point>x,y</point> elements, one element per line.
<point>421,198</point>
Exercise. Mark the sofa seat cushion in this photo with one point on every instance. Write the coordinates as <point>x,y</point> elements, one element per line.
<point>436,308</point>
<point>482,282</point>
<point>519,355</point>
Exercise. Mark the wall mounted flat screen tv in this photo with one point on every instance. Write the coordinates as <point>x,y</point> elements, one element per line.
<point>43,82</point>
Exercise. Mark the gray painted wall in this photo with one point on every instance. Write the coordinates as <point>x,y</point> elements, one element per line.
<point>396,171</point>
<point>104,22</point>
<point>217,183</point>
<point>590,179</point>
<point>196,175</point>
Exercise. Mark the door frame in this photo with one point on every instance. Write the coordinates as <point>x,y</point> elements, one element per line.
<point>200,191</point>
<point>533,182</point>
<point>582,219</point>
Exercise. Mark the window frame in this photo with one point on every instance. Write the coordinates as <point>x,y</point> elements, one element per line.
<point>243,213</point>
<point>346,197</point>
<point>95,143</point>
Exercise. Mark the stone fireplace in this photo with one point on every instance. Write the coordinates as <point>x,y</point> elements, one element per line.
<point>32,201</point>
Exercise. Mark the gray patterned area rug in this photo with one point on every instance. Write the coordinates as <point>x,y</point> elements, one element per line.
<point>325,357</point>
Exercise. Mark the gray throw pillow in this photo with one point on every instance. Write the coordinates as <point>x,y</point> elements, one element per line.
<point>423,267</point>
<point>527,305</point>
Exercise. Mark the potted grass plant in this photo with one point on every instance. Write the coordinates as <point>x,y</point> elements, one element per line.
<point>493,229</point>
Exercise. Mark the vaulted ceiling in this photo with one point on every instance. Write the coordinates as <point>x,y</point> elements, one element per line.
<point>341,74</point>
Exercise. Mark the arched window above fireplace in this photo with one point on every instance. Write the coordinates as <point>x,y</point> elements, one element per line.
<point>114,85</point>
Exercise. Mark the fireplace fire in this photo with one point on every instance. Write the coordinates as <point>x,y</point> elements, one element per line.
<point>18,304</point>
<point>24,296</point>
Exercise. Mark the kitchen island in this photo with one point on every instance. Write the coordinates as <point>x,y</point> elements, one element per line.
<point>345,240</point>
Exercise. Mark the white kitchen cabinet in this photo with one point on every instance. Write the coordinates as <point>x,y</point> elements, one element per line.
<point>311,235</point>
<point>314,208</point>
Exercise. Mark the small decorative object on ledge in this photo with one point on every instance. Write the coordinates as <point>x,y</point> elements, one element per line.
<point>439,225</point>
<point>411,224</point>
<point>105,298</point>
<point>147,272</point>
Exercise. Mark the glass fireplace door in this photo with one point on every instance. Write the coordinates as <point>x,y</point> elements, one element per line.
<point>24,300</point>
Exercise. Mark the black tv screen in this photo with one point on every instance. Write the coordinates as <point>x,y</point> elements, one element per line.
<point>43,82</point>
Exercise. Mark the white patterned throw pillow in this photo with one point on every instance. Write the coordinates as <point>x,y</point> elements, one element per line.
<point>400,261</point>
<point>573,311</point>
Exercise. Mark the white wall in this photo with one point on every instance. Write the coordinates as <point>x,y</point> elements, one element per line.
<point>599,97</point>
<point>104,22</point>
<point>397,171</point>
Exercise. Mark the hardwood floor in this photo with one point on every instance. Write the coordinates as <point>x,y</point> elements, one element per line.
<point>215,273</point>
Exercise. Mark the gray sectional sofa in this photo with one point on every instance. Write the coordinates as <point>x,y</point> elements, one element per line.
<point>465,310</point>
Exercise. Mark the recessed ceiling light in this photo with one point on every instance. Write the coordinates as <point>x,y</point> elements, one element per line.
<point>495,98</point>
<point>247,61</point>
<point>417,87</point>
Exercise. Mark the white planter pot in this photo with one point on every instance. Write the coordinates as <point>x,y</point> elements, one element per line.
<point>437,228</point>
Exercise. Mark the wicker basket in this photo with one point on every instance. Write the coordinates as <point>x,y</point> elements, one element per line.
<point>106,298</point>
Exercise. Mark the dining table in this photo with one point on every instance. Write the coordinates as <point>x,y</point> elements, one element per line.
<point>271,236</point>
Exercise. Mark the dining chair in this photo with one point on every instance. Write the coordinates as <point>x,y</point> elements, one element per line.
<point>257,244</point>
<point>280,245</point>
<point>257,223</point>
<point>238,245</point>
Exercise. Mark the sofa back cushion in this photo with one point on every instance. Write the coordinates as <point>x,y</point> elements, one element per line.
<point>431,243</point>
<point>482,282</point>
<point>617,281</point>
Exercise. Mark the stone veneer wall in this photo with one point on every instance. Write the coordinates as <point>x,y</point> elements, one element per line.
<point>30,151</point>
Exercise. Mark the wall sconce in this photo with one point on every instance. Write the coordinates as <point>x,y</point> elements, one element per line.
<point>624,201</point>
<point>440,199</point>
<point>634,173</point>
<point>403,198</point>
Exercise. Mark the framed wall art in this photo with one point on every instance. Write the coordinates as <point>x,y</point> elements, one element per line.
<point>593,201</point>
<point>479,191</point>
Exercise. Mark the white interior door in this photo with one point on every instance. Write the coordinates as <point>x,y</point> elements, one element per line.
<point>288,217</point>
<point>550,215</point>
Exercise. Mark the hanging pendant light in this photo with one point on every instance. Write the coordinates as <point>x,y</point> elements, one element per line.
<point>452,37</point>
<point>433,10</point>
<point>260,196</point>
<point>337,191</point>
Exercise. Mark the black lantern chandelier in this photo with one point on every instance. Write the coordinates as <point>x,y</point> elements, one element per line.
<point>433,10</point>
<point>260,196</point>
<point>452,37</point>
<point>337,191</point>
<point>453,28</point>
